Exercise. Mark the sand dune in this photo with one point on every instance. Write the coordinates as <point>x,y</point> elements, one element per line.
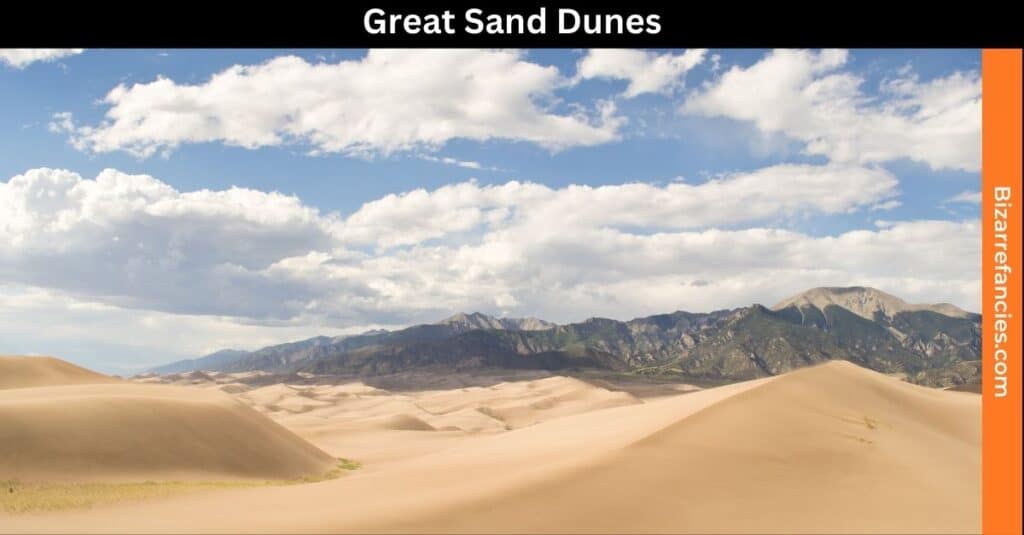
<point>520,404</point>
<point>379,426</point>
<point>123,431</point>
<point>830,449</point>
<point>24,372</point>
<point>833,448</point>
<point>399,422</point>
<point>500,406</point>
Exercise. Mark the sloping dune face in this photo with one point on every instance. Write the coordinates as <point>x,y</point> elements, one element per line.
<point>25,372</point>
<point>124,431</point>
<point>829,449</point>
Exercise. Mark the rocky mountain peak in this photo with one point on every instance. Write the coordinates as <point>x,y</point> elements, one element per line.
<point>864,302</point>
<point>462,317</point>
<point>479,320</point>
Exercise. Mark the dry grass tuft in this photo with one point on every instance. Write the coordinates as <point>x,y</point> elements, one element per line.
<point>36,497</point>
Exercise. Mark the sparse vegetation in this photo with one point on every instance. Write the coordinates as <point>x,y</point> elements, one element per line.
<point>344,465</point>
<point>866,421</point>
<point>35,497</point>
<point>28,497</point>
<point>858,439</point>
<point>349,464</point>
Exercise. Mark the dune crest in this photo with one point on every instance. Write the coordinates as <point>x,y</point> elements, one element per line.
<point>25,372</point>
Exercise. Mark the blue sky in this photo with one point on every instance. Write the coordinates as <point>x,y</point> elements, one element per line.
<point>837,154</point>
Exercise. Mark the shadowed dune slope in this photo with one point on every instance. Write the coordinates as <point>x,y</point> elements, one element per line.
<point>834,448</point>
<point>25,372</point>
<point>123,431</point>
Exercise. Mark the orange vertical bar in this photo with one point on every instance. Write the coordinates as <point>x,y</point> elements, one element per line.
<point>1001,291</point>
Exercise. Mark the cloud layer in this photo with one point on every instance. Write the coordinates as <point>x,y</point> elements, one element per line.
<point>771,193</point>
<point>132,241</point>
<point>418,100</point>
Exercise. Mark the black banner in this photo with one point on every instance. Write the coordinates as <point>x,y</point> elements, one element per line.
<point>479,24</point>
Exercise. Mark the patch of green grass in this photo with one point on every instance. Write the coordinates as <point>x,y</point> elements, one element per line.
<point>36,497</point>
<point>349,464</point>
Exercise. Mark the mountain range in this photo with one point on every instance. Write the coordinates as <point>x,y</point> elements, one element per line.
<point>935,345</point>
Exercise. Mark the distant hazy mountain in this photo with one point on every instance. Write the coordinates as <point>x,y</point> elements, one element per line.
<point>285,357</point>
<point>207,362</point>
<point>930,344</point>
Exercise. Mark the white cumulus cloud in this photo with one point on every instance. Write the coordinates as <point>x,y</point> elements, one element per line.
<point>132,240</point>
<point>808,96</point>
<point>646,72</point>
<point>780,191</point>
<point>387,101</point>
<point>19,58</point>
<point>965,197</point>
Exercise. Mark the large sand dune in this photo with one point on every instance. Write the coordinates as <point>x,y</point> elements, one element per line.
<point>830,449</point>
<point>123,431</point>
<point>833,448</point>
<point>25,372</point>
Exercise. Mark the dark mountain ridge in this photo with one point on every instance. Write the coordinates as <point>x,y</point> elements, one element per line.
<point>937,345</point>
